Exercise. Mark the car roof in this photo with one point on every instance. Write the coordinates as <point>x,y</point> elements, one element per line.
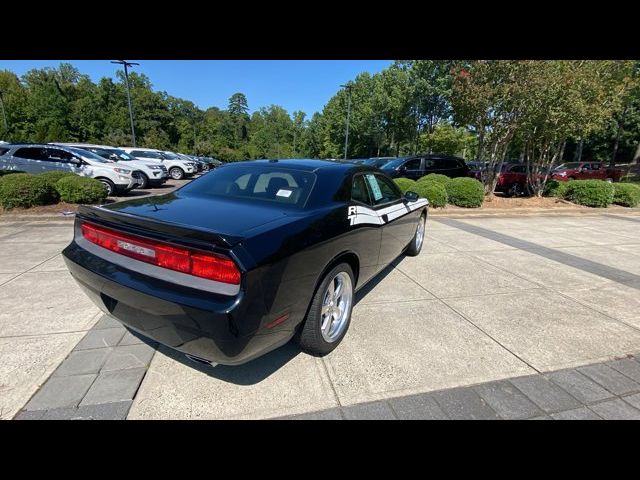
<point>306,164</point>
<point>140,148</point>
<point>86,145</point>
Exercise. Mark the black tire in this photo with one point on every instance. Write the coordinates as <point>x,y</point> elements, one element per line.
<point>415,247</point>
<point>515,191</point>
<point>176,173</point>
<point>109,185</point>
<point>145,181</point>
<point>309,335</point>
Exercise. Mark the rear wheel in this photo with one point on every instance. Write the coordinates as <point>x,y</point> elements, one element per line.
<point>418,239</point>
<point>515,190</point>
<point>330,312</point>
<point>108,184</point>
<point>176,173</point>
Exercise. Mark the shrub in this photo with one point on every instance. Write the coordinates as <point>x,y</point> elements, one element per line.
<point>405,184</point>
<point>555,188</point>
<point>626,194</point>
<point>435,177</point>
<point>465,192</point>
<point>592,193</point>
<point>432,191</point>
<point>53,177</point>
<point>81,190</point>
<point>25,190</point>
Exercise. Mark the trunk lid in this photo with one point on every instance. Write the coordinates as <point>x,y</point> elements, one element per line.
<point>223,222</point>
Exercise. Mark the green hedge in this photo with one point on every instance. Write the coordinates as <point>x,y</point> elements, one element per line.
<point>405,184</point>
<point>555,188</point>
<point>592,193</point>
<point>434,192</point>
<point>435,177</point>
<point>465,192</point>
<point>25,190</point>
<point>626,194</point>
<point>53,177</point>
<point>81,190</point>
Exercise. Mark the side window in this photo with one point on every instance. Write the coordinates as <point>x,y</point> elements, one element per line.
<point>30,153</point>
<point>55,155</point>
<point>359,192</point>
<point>429,164</point>
<point>445,163</point>
<point>382,189</point>
<point>595,166</point>
<point>586,166</point>
<point>3,151</point>
<point>413,164</point>
<point>519,169</point>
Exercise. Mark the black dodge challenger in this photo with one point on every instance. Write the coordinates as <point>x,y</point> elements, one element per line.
<point>241,260</point>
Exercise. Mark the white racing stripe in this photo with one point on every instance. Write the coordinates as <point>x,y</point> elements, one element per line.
<point>358,215</point>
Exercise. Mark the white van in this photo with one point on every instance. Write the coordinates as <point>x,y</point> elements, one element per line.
<point>37,158</point>
<point>178,168</point>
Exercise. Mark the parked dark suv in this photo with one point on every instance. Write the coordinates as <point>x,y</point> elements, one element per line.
<point>421,165</point>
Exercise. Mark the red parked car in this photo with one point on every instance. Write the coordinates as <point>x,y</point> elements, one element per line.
<point>513,179</point>
<point>585,171</point>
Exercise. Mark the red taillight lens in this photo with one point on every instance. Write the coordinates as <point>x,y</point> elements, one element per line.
<point>207,266</point>
<point>204,265</point>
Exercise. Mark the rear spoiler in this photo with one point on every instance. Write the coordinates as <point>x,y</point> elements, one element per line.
<point>180,233</point>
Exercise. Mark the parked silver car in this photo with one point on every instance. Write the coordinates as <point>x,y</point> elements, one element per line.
<point>38,158</point>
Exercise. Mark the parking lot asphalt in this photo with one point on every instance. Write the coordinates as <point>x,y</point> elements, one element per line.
<point>493,308</point>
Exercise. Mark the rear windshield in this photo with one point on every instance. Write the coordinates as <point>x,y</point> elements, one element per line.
<point>254,183</point>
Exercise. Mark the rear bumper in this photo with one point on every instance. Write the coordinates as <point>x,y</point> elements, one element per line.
<point>217,328</point>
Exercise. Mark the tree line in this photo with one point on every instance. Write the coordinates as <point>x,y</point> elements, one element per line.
<point>540,112</point>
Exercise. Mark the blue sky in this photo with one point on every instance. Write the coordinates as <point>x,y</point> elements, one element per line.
<point>294,84</point>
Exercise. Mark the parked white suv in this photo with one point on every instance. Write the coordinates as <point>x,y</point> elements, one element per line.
<point>38,158</point>
<point>151,173</point>
<point>177,168</point>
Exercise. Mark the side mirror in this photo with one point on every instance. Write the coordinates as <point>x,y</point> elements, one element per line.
<point>75,161</point>
<point>411,196</point>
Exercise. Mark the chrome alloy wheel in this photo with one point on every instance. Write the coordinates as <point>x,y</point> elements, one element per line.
<point>336,307</point>
<point>420,234</point>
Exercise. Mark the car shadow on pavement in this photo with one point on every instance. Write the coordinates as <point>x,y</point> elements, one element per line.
<point>249,373</point>
<point>373,283</point>
<point>264,366</point>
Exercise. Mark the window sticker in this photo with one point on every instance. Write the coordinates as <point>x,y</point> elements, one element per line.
<point>284,193</point>
<point>375,188</point>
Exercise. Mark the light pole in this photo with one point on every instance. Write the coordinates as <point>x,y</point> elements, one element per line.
<point>4,114</point>
<point>126,79</point>
<point>346,135</point>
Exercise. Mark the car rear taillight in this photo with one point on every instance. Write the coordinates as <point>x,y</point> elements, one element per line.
<point>200,264</point>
